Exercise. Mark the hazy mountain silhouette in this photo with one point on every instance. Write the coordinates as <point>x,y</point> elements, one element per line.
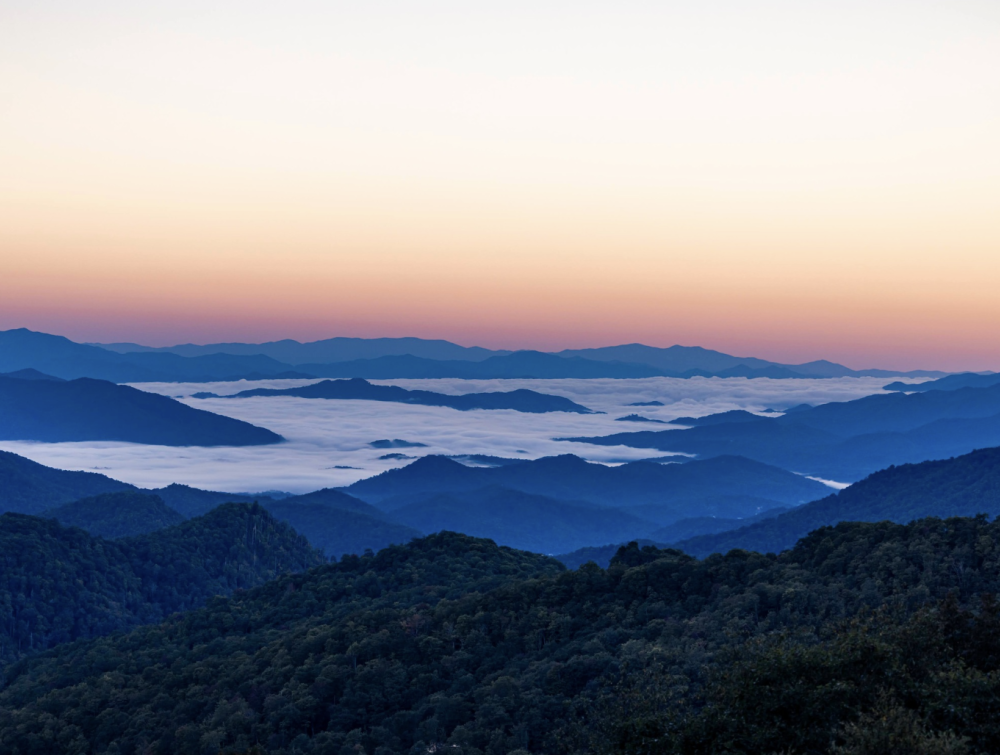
<point>963,486</point>
<point>677,487</point>
<point>88,409</point>
<point>382,358</point>
<point>522,520</point>
<point>325,351</point>
<point>520,400</point>
<point>340,525</point>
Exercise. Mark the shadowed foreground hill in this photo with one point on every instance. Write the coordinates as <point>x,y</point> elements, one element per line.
<point>58,584</point>
<point>453,644</point>
<point>117,515</point>
<point>964,486</point>
<point>87,409</point>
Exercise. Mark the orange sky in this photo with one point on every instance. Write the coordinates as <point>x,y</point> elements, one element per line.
<point>786,180</point>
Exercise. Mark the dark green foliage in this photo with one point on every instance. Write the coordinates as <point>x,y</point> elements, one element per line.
<point>451,642</point>
<point>59,584</point>
<point>88,409</point>
<point>30,488</point>
<point>964,486</point>
<point>117,515</point>
<point>337,531</point>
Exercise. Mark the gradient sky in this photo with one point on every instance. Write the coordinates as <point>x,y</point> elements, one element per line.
<point>790,180</point>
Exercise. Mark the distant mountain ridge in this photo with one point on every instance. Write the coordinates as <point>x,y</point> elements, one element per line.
<point>521,400</point>
<point>385,358</point>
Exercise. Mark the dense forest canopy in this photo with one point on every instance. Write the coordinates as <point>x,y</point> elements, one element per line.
<point>862,633</point>
<point>59,584</point>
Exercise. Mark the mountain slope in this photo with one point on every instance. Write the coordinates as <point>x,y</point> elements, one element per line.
<point>86,409</point>
<point>963,486</point>
<point>117,515</point>
<point>522,520</point>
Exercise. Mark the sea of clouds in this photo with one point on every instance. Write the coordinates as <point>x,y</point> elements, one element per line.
<point>327,441</point>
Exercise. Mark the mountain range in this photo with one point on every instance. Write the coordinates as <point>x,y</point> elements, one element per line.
<point>384,358</point>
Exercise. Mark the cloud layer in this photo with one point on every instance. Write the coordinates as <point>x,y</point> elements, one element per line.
<point>328,441</point>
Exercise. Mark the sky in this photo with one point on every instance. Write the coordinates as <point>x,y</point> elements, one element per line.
<point>788,180</point>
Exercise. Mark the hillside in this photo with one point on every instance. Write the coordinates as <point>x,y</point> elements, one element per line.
<point>30,488</point>
<point>521,400</point>
<point>521,520</point>
<point>117,515</point>
<point>453,644</point>
<point>60,584</point>
<point>86,409</point>
<point>678,490</point>
<point>964,486</point>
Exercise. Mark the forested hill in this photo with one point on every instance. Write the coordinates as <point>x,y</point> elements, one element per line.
<point>87,409</point>
<point>964,486</point>
<point>58,584</point>
<point>452,644</point>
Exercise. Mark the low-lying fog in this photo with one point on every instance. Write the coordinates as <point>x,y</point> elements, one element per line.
<point>328,440</point>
